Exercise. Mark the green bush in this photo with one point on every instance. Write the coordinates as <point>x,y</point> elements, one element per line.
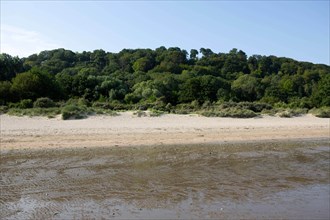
<point>184,109</point>
<point>100,111</point>
<point>73,112</point>
<point>23,104</point>
<point>323,112</point>
<point>289,113</point>
<point>104,105</point>
<point>78,102</point>
<point>230,112</point>
<point>253,106</point>
<point>207,104</point>
<point>155,113</point>
<point>285,114</point>
<point>299,102</point>
<point>168,107</point>
<point>3,109</point>
<point>44,103</point>
<point>271,112</point>
<point>47,112</point>
<point>114,105</point>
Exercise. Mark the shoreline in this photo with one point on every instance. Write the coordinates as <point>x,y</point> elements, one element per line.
<point>128,130</point>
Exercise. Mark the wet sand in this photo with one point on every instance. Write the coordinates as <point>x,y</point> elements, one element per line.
<point>272,180</point>
<point>168,167</point>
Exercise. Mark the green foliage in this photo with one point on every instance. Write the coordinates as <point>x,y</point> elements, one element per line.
<point>154,78</point>
<point>323,112</point>
<point>5,92</point>
<point>9,66</point>
<point>3,109</point>
<point>253,106</point>
<point>115,105</point>
<point>46,112</point>
<point>201,88</point>
<point>44,103</point>
<point>289,113</point>
<point>230,112</point>
<point>35,83</point>
<point>155,113</point>
<point>247,88</point>
<point>23,104</point>
<point>79,102</point>
<point>73,112</point>
<point>321,95</point>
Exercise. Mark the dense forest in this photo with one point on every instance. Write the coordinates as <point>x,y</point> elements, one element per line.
<point>163,77</point>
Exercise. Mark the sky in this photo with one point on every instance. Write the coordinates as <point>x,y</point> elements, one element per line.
<point>295,29</point>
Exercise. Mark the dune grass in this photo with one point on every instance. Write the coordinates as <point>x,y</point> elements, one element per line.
<point>45,112</point>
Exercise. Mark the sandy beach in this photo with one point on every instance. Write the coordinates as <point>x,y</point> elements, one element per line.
<point>191,167</point>
<point>127,129</point>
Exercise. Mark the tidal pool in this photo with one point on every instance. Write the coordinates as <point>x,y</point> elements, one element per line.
<point>287,179</point>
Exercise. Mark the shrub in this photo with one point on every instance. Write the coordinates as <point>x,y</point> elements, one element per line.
<point>285,114</point>
<point>140,113</point>
<point>43,103</point>
<point>142,107</point>
<point>207,104</point>
<point>101,111</point>
<point>168,107</point>
<point>114,105</point>
<point>183,109</point>
<point>3,109</point>
<point>194,104</point>
<point>73,112</point>
<point>104,105</point>
<point>299,102</point>
<point>271,112</point>
<point>288,113</point>
<point>155,113</point>
<point>253,106</point>
<point>48,112</point>
<point>23,104</point>
<point>230,112</point>
<point>321,112</point>
<point>78,102</point>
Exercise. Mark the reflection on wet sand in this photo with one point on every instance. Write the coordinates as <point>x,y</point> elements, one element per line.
<point>251,180</point>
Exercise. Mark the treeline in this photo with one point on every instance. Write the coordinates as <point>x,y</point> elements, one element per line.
<point>164,76</point>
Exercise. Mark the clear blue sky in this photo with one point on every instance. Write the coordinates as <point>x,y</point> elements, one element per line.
<point>296,29</point>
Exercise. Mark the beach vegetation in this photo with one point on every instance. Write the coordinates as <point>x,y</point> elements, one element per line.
<point>44,102</point>
<point>289,113</point>
<point>155,113</point>
<point>3,109</point>
<point>72,111</point>
<point>164,79</point>
<point>323,112</point>
<point>230,112</point>
<point>45,112</point>
<point>22,104</point>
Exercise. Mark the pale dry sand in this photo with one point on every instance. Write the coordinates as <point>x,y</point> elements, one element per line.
<point>129,130</point>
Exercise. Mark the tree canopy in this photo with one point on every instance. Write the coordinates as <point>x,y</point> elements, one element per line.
<point>168,75</point>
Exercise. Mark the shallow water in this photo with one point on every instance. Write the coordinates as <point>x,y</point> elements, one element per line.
<point>253,180</point>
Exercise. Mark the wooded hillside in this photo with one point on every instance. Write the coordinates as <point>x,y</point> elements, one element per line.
<point>164,75</point>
